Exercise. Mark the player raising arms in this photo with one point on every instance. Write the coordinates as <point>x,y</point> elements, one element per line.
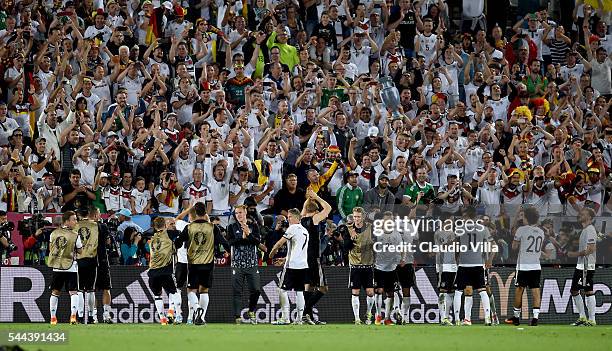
<point>316,286</point>
<point>161,270</point>
<point>585,268</point>
<point>296,266</point>
<point>360,246</point>
<point>64,244</point>
<point>446,267</point>
<point>201,238</point>
<point>528,239</point>
<point>471,271</point>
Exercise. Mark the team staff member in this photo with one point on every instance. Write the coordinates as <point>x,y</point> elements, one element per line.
<point>161,270</point>
<point>316,286</point>
<point>201,238</point>
<point>360,246</point>
<point>244,238</point>
<point>64,244</point>
<point>93,263</point>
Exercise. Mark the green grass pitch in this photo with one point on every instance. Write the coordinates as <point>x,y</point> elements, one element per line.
<point>336,337</point>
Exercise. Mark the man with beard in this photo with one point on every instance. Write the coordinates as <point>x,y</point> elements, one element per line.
<point>379,198</point>
<point>513,193</point>
<point>419,186</point>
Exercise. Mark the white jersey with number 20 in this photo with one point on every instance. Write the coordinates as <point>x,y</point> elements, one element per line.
<point>532,241</point>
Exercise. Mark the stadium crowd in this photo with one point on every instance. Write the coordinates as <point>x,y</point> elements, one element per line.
<point>145,108</point>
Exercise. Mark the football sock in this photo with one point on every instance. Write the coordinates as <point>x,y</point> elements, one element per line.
<point>81,303</point>
<point>492,303</point>
<point>388,308</point>
<point>517,312</point>
<point>53,305</point>
<point>448,298</point>
<point>579,305</point>
<point>91,303</point>
<point>308,298</point>
<point>284,301</point>
<point>159,306</point>
<point>107,311</point>
<point>406,308</point>
<point>190,310</point>
<point>486,304</point>
<point>369,303</point>
<point>441,306</point>
<point>536,313</point>
<point>355,304</point>
<point>397,300</point>
<point>591,303</point>
<point>193,300</point>
<point>314,299</point>
<point>176,302</point>
<point>457,305</point>
<point>204,303</point>
<point>378,303</point>
<point>467,309</point>
<point>74,303</point>
<point>300,304</point>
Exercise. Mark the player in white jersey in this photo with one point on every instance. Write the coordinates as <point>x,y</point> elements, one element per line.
<point>426,43</point>
<point>385,265</point>
<point>296,265</point>
<point>528,239</point>
<point>585,268</point>
<point>446,267</point>
<point>471,271</point>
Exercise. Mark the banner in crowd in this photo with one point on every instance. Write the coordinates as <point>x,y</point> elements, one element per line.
<point>24,296</point>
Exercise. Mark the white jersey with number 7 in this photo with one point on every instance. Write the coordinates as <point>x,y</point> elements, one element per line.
<point>297,247</point>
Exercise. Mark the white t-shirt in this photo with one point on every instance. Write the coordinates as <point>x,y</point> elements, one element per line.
<point>532,241</point>
<point>297,247</point>
<point>141,199</point>
<point>587,236</point>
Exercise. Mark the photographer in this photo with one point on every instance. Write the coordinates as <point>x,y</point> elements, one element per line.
<point>36,231</point>
<point>333,254</point>
<point>168,193</point>
<point>280,227</point>
<point>6,245</point>
<point>133,248</point>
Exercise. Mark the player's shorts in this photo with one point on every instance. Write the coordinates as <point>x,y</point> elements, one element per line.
<point>103,277</point>
<point>180,274</point>
<point>161,278</point>
<point>470,276</point>
<point>446,280</point>
<point>293,279</point>
<point>528,279</point>
<point>315,276</point>
<point>361,277</point>
<point>385,280</point>
<point>405,276</point>
<point>67,280</point>
<point>579,284</point>
<point>200,275</point>
<point>88,271</point>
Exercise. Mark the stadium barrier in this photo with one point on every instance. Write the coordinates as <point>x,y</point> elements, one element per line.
<point>24,296</point>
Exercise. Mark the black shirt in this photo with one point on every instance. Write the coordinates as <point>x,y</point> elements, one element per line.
<point>80,202</point>
<point>314,239</point>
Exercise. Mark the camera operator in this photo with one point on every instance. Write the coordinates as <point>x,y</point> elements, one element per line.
<point>37,232</point>
<point>279,230</point>
<point>6,245</point>
<point>244,238</point>
<point>333,255</point>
